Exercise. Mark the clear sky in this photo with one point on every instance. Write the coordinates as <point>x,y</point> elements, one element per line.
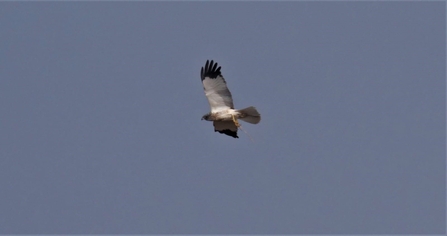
<point>100,107</point>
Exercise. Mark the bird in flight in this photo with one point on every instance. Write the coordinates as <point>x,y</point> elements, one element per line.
<point>223,115</point>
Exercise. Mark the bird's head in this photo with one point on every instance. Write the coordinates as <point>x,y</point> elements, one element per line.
<point>206,116</point>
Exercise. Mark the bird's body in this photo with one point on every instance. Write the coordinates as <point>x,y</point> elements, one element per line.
<point>223,114</point>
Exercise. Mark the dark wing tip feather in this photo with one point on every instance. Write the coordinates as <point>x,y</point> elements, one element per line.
<point>228,132</point>
<point>210,70</point>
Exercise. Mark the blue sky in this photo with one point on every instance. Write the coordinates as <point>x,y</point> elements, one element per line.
<point>101,102</point>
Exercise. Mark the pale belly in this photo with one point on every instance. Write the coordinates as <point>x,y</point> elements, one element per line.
<point>226,115</point>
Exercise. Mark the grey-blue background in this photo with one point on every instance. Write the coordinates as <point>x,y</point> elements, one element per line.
<point>100,128</point>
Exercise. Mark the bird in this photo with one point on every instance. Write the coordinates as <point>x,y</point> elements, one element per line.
<point>222,114</point>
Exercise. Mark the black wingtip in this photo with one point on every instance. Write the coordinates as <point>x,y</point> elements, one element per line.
<point>228,132</point>
<point>210,70</point>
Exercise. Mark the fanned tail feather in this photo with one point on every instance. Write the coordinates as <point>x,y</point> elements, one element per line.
<point>250,115</point>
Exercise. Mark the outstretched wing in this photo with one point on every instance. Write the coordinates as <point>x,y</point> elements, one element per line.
<point>215,87</point>
<point>226,127</point>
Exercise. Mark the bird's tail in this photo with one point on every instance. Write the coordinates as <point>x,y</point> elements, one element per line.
<point>250,115</point>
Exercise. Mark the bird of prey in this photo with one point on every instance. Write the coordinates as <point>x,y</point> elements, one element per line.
<point>223,115</point>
